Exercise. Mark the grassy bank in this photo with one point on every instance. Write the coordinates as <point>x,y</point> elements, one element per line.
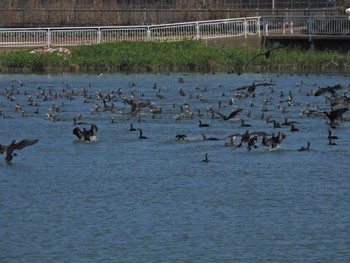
<point>188,56</point>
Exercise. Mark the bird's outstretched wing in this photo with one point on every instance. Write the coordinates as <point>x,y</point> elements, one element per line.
<point>93,130</point>
<point>233,114</point>
<point>77,132</point>
<point>24,143</point>
<point>267,53</point>
<point>242,88</point>
<point>339,112</point>
<point>2,149</point>
<point>220,114</point>
<point>320,91</point>
<point>258,55</point>
<point>331,89</point>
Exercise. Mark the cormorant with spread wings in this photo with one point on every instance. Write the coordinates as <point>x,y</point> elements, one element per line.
<point>232,114</point>
<point>267,53</point>
<point>86,135</point>
<point>9,149</point>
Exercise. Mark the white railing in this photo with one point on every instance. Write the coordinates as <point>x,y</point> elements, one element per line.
<point>308,25</point>
<point>73,36</point>
<point>256,26</point>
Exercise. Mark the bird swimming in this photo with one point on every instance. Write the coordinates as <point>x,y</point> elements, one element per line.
<point>206,158</point>
<point>141,135</point>
<point>287,122</point>
<point>86,135</point>
<point>243,124</point>
<point>203,124</point>
<point>331,138</point>
<point>132,128</point>
<point>303,149</point>
<point>15,146</point>
<point>293,128</point>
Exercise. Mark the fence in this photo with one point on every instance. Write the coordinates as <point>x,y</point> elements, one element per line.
<point>270,25</point>
<point>73,36</point>
<point>321,25</point>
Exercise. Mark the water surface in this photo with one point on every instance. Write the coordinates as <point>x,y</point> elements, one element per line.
<point>123,199</point>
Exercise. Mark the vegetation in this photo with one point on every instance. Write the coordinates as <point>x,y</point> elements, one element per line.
<point>171,56</point>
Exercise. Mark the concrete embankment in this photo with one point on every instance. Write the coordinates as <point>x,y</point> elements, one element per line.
<point>234,41</point>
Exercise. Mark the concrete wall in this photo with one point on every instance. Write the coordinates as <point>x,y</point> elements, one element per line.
<point>234,42</point>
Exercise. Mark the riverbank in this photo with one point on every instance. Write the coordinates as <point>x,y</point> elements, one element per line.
<point>184,56</point>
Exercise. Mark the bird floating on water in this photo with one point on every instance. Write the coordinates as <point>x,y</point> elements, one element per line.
<point>331,138</point>
<point>132,128</point>
<point>304,149</point>
<point>141,136</point>
<point>206,158</point>
<point>203,124</point>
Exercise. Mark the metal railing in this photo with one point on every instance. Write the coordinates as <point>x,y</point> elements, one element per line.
<point>73,36</point>
<point>250,26</point>
<point>307,25</point>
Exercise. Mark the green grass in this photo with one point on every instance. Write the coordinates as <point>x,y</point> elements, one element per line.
<point>185,55</point>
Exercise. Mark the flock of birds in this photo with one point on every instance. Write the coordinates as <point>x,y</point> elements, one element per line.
<point>261,101</point>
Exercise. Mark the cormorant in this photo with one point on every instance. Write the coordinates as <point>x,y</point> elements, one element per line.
<point>15,146</point>
<point>303,149</point>
<point>206,158</point>
<point>86,135</point>
<point>203,124</point>
<point>141,135</point>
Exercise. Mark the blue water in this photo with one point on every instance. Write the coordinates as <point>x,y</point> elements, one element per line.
<point>123,199</point>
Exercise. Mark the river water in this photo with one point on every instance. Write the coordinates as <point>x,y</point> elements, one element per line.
<point>125,199</point>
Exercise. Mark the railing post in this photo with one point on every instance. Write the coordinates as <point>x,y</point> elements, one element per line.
<point>266,27</point>
<point>48,38</point>
<point>198,34</point>
<point>98,35</point>
<point>258,24</point>
<point>148,33</point>
<point>309,26</point>
<point>245,28</point>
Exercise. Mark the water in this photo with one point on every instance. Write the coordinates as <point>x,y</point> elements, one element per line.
<point>123,199</point>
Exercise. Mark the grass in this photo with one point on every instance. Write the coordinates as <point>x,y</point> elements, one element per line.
<point>166,56</point>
